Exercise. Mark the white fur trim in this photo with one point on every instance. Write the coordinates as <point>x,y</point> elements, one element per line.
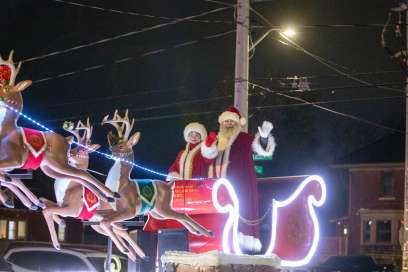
<point>209,152</point>
<point>214,259</point>
<point>258,149</point>
<point>172,176</point>
<point>196,127</point>
<point>228,115</point>
<point>249,243</point>
<point>60,187</point>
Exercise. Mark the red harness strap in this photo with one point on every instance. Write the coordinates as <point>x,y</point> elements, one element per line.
<point>36,143</point>
<point>91,202</point>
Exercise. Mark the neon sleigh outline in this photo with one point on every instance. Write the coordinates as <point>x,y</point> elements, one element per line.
<point>233,210</point>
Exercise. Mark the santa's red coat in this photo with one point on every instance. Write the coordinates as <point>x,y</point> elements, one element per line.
<point>190,163</point>
<point>237,165</point>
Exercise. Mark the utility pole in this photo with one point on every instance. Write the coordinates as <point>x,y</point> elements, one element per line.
<point>405,246</point>
<point>242,60</point>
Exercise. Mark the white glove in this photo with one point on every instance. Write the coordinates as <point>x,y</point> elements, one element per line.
<point>266,129</point>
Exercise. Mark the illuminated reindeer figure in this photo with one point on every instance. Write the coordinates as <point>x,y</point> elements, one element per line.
<point>30,149</point>
<point>139,196</point>
<point>76,201</point>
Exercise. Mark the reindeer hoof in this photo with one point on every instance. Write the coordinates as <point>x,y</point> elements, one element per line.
<point>62,224</point>
<point>57,247</point>
<point>9,203</point>
<point>7,178</point>
<point>110,199</point>
<point>33,207</point>
<point>116,195</point>
<point>41,205</point>
<point>145,258</point>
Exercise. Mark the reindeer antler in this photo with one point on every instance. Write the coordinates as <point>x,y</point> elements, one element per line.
<point>75,130</point>
<point>86,138</point>
<point>125,126</point>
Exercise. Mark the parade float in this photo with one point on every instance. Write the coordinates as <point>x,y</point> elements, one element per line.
<point>209,208</point>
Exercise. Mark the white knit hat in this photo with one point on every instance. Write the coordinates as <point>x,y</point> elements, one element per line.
<point>196,127</point>
<point>233,114</point>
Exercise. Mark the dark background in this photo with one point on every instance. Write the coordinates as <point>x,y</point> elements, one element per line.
<point>158,88</point>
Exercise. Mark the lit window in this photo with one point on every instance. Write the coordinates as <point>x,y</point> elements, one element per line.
<point>387,184</point>
<point>11,230</point>
<point>3,229</point>
<point>383,231</point>
<point>61,233</point>
<point>22,230</point>
<point>367,231</point>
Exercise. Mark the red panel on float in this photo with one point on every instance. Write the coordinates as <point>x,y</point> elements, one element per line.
<point>194,198</point>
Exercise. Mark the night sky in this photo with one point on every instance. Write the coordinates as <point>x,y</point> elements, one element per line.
<point>191,77</point>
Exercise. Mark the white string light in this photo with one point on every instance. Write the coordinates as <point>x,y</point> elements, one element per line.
<point>109,156</point>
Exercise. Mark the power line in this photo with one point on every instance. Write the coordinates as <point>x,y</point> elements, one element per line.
<point>220,98</point>
<point>220,3</point>
<point>156,107</point>
<point>171,116</point>
<point>126,59</point>
<point>327,76</point>
<point>320,59</point>
<point>125,35</point>
<point>355,25</point>
<point>345,87</point>
<point>112,97</point>
<point>346,115</point>
<point>325,63</point>
<point>335,101</point>
<point>131,13</point>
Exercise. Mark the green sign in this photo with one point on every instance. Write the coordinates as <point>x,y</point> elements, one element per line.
<point>261,158</point>
<point>259,169</point>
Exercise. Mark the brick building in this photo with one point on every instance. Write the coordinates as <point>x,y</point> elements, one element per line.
<point>375,179</point>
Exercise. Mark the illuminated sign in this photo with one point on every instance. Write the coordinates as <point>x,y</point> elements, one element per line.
<point>256,157</point>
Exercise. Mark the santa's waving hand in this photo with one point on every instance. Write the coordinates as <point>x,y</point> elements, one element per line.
<point>264,143</point>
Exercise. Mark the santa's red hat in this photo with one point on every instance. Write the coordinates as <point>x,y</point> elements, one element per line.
<point>232,113</point>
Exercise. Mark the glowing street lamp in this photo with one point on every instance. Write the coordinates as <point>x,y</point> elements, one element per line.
<point>289,32</point>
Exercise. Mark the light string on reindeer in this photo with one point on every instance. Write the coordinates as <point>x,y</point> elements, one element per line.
<point>106,155</point>
<point>116,158</point>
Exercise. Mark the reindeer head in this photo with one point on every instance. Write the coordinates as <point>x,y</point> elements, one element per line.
<point>121,144</point>
<point>80,154</point>
<point>10,92</point>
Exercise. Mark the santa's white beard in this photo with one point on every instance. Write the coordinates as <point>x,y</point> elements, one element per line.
<point>225,135</point>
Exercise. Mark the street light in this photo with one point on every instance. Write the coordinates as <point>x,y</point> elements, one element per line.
<point>289,32</point>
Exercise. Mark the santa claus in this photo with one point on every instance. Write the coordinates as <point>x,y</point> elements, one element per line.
<point>189,162</point>
<point>231,151</point>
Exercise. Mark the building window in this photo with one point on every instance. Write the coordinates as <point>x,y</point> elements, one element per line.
<point>22,230</point>
<point>3,229</point>
<point>383,232</point>
<point>387,184</point>
<point>61,233</point>
<point>11,230</point>
<point>367,231</point>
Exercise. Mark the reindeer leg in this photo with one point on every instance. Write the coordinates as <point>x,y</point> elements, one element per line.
<point>6,200</point>
<point>125,235</point>
<point>22,197</point>
<point>163,208</point>
<point>118,216</point>
<point>33,198</point>
<point>51,228</point>
<point>100,230</point>
<point>57,175</point>
<point>85,179</point>
<point>49,204</point>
